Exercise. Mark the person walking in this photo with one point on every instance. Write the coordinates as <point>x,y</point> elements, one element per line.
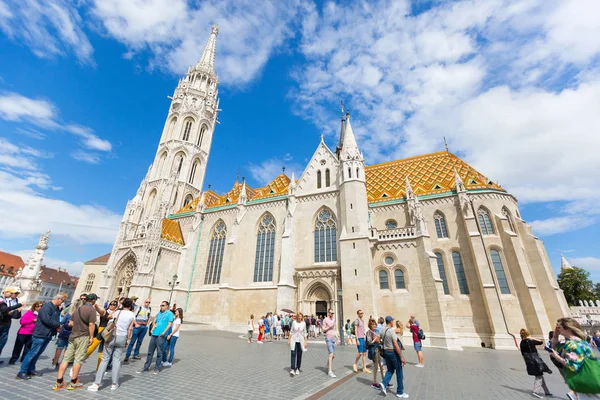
<point>373,341</point>
<point>172,338</point>
<point>143,318</point>
<point>122,325</point>
<point>82,336</point>
<point>394,359</point>
<point>418,345</point>
<point>162,323</point>
<point>10,309</point>
<point>25,333</point>
<point>582,368</point>
<point>48,322</point>
<point>330,339</point>
<point>534,363</point>
<point>62,341</point>
<point>250,328</point>
<point>298,342</point>
<point>261,330</point>
<point>359,331</point>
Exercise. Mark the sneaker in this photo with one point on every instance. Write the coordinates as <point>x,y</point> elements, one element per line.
<point>539,396</point>
<point>354,368</point>
<point>93,387</point>
<point>367,371</point>
<point>58,386</point>
<point>375,385</point>
<point>292,372</point>
<point>136,357</point>
<point>126,359</point>
<point>390,385</point>
<point>141,371</point>
<point>165,364</point>
<point>402,395</point>
<point>260,341</point>
<point>114,386</point>
<point>297,372</point>
<point>383,388</point>
<point>76,385</point>
<point>419,366</point>
<point>331,375</point>
<point>155,372</point>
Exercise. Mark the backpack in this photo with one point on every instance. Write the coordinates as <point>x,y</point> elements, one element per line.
<point>353,328</point>
<point>420,334</point>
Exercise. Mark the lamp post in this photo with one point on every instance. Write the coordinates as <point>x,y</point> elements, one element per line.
<point>173,283</point>
<point>341,317</point>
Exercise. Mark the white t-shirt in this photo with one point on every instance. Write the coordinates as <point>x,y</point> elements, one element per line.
<point>250,325</point>
<point>176,323</point>
<point>125,317</point>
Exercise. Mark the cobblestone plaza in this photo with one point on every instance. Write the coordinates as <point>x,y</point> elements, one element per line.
<point>222,365</point>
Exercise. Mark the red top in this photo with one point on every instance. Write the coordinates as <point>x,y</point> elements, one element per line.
<point>415,331</point>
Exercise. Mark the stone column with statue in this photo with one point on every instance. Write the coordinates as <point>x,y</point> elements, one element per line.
<point>27,279</point>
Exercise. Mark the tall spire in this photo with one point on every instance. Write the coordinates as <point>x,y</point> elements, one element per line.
<point>207,61</point>
<point>564,264</point>
<point>349,146</point>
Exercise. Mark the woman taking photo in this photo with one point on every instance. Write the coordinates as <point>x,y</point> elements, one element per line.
<point>23,341</point>
<point>535,365</point>
<point>122,322</point>
<point>172,338</point>
<point>373,346</point>
<point>582,368</point>
<point>298,341</point>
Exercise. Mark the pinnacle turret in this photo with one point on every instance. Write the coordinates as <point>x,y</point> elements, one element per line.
<point>349,145</point>
<point>207,61</point>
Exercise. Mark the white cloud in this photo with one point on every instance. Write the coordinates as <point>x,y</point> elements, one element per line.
<point>74,268</point>
<point>49,28</point>
<point>588,263</point>
<point>552,226</point>
<point>269,169</point>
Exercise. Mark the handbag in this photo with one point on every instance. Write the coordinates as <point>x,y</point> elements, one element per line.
<point>109,332</point>
<point>587,380</point>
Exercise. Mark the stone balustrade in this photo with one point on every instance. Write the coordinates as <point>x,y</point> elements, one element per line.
<point>393,234</point>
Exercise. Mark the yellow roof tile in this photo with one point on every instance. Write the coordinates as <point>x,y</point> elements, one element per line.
<point>171,231</point>
<point>428,174</point>
<point>277,187</point>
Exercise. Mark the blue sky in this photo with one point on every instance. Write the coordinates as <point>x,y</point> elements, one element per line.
<point>514,86</point>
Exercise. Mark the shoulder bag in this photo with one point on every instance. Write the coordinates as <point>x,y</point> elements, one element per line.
<point>587,380</point>
<point>109,332</point>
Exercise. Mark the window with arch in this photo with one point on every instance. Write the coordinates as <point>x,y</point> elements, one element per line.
<point>89,282</point>
<point>440,225</point>
<point>507,215</point>
<point>357,176</point>
<point>383,280</point>
<point>391,224</point>
<point>325,237</point>
<point>171,128</point>
<point>193,171</point>
<point>500,274</point>
<point>201,135</point>
<point>265,249</point>
<point>442,271</point>
<point>188,199</point>
<point>187,129</point>
<point>399,278</point>
<point>161,164</point>
<point>178,163</point>
<point>327,178</point>
<point>151,199</point>
<point>461,277</point>
<point>485,222</point>
<point>349,173</point>
<point>318,179</point>
<point>215,254</point>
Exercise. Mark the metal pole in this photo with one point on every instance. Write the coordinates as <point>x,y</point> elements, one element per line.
<point>171,295</point>
<point>341,318</point>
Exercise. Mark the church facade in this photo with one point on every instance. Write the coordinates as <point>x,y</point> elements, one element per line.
<point>428,235</point>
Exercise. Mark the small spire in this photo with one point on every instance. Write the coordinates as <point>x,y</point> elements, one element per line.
<point>237,176</point>
<point>446,144</point>
<point>409,190</point>
<point>460,186</point>
<point>322,138</point>
<point>243,196</point>
<point>207,61</point>
<point>564,264</point>
<point>349,145</point>
<point>283,169</point>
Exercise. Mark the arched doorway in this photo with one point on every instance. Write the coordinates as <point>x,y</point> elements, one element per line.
<point>318,298</point>
<point>124,276</point>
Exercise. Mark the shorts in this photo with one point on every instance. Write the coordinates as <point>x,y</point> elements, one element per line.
<point>250,332</point>
<point>418,346</point>
<point>360,345</point>
<point>330,345</point>
<point>62,343</point>
<point>77,350</point>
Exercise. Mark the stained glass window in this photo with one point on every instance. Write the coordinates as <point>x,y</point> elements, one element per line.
<point>215,254</point>
<point>325,237</point>
<point>500,274</point>
<point>187,129</point>
<point>485,223</point>
<point>318,179</point>
<point>391,224</point>
<point>327,178</point>
<point>442,271</point>
<point>463,286</point>
<point>440,225</point>
<point>265,248</point>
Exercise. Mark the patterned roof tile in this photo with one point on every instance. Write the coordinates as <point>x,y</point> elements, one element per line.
<point>171,231</point>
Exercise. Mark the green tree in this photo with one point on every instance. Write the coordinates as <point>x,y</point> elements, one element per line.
<point>597,290</point>
<point>576,284</point>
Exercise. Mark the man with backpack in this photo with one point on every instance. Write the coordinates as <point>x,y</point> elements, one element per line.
<point>140,328</point>
<point>418,336</point>
<point>393,359</point>
<point>359,332</point>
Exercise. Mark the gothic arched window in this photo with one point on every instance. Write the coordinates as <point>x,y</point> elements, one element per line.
<point>399,278</point>
<point>463,286</point>
<point>485,223</point>
<point>325,237</point>
<point>215,254</point>
<point>201,135</point>
<point>187,129</point>
<point>357,173</point>
<point>383,280</point>
<point>500,274</point>
<point>151,199</point>
<point>318,179</point>
<point>193,172</point>
<point>188,200</point>
<point>349,173</point>
<point>265,249</point>
<point>327,178</point>
<point>89,283</point>
<point>171,128</point>
<point>161,165</point>
<point>442,271</point>
<point>440,225</point>
<point>507,215</point>
<point>391,224</point>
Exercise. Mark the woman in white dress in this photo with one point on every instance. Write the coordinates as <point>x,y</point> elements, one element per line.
<point>298,341</point>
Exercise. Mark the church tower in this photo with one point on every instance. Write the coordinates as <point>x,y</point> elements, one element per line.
<point>355,253</point>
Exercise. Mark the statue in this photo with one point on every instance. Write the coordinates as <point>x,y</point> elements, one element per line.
<point>580,303</point>
<point>585,303</point>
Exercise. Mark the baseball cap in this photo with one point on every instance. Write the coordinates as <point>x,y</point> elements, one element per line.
<point>134,298</point>
<point>11,289</point>
<point>388,319</point>
<point>91,296</point>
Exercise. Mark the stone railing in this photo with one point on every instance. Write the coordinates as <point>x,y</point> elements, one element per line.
<point>393,234</point>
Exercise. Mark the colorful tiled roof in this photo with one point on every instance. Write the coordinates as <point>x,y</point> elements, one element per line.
<point>100,260</point>
<point>277,187</point>
<point>171,231</point>
<point>428,174</point>
<point>8,260</point>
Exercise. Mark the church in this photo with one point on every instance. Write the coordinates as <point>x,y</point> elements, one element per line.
<point>427,235</point>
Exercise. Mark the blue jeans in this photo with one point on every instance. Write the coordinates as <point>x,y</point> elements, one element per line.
<point>3,336</point>
<point>156,343</point>
<point>38,345</point>
<point>393,362</point>
<point>137,337</point>
<point>169,346</point>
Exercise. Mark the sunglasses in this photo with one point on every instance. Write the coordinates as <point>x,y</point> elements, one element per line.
<point>146,302</point>
<point>163,305</point>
